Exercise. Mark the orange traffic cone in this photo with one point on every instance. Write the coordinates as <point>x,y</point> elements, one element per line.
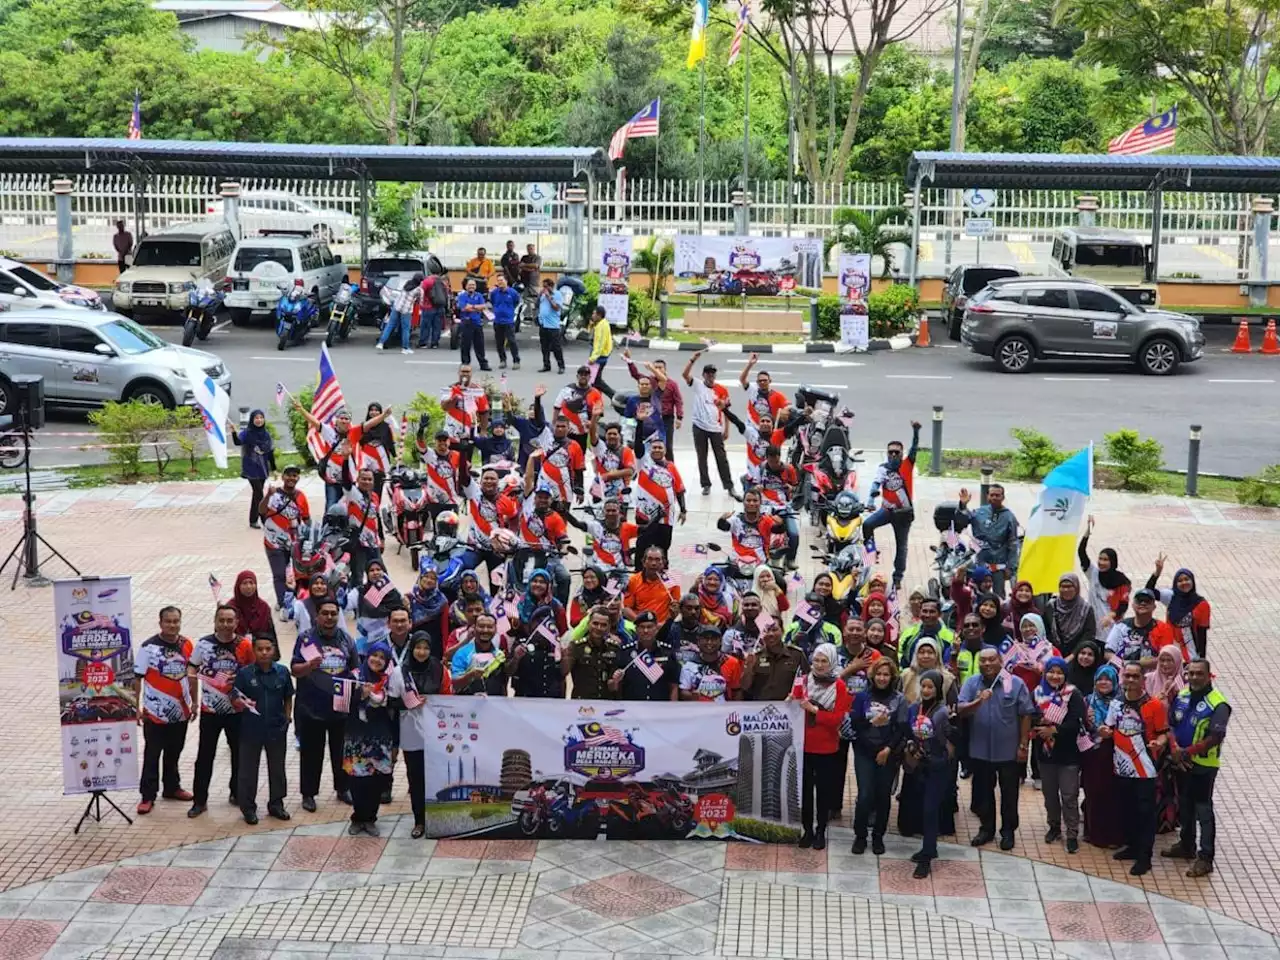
<point>922,336</point>
<point>1242,338</point>
<point>1269,343</point>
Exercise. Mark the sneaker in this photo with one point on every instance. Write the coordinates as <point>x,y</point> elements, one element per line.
<point>355,829</point>
<point>706,491</point>
<point>515,365</point>
<point>196,810</point>
<point>309,804</point>
<point>820,840</point>
<point>502,364</point>
<point>255,525</point>
<point>178,794</point>
<point>1201,868</point>
<point>407,352</point>
<point>1124,853</point>
<point>1006,842</point>
<point>1052,835</point>
<point>1139,868</point>
<point>278,811</point>
<point>1073,845</point>
<point>877,846</point>
<point>372,830</point>
<point>560,371</point>
<point>144,807</point>
<point>251,818</point>
<point>1178,852</point>
<point>284,615</point>
<point>485,368</point>
<point>859,845</point>
<point>378,346</point>
<point>546,370</point>
<point>921,872</point>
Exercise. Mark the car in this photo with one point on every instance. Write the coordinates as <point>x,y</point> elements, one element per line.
<point>22,286</point>
<point>269,210</point>
<point>1018,321</point>
<point>261,265</point>
<point>167,265</point>
<point>88,358</point>
<point>964,282</point>
<point>378,270</point>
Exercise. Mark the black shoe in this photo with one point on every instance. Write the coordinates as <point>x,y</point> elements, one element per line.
<point>1124,853</point>
<point>806,840</point>
<point>922,869</point>
<point>309,804</point>
<point>278,811</point>
<point>233,800</point>
<point>820,840</point>
<point>386,797</point>
<point>196,810</point>
<point>345,797</point>
<point>859,845</point>
<point>965,773</point>
<point>982,839</point>
<point>251,818</point>
<point>486,369</point>
<point>1178,852</point>
<point>1073,845</point>
<point>560,371</point>
<point>544,369</point>
<point>255,525</point>
<point>1006,842</point>
<point>706,491</point>
<point>877,846</point>
<point>418,831</point>
<point>920,857</point>
<point>1053,835</point>
<point>1139,868</point>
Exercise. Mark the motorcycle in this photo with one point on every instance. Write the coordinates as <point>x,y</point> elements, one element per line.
<point>405,517</point>
<point>341,315</point>
<point>296,314</point>
<point>446,552</point>
<point>571,291</point>
<point>740,575</point>
<point>950,555</point>
<point>534,812</point>
<point>203,302</point>
<point>843,520</point>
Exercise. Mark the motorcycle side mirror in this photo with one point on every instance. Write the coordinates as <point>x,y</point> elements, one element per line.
<point>573,550</point>
<point>714,547</point>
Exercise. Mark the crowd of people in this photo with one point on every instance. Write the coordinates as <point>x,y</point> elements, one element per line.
<point>1105,707</point>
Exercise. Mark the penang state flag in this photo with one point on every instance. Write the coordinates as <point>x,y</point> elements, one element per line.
<point>1049,549</point>
<point>698,37</point>
<point>214,405</point>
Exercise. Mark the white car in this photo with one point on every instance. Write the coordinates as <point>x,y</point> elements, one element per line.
<point>261,264</point>
<point>276,210</point>
<point>23,287</point>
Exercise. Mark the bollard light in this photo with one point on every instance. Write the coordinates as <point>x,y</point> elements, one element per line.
<point>1193,461</point>
<point>985,486</point>
<point>935,458</point>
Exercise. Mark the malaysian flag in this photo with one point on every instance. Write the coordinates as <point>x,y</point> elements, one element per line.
<point>325,404</point>
<point>412,699</point>
<point>651,669</point>
<point>608,735</point>
<point>1151,135</point>
<point>643,124</point>
<point>215,588</point>
<point>1054,711</point>
<point>739,33</point>
<point>342,695</point>
<point>135,118</point>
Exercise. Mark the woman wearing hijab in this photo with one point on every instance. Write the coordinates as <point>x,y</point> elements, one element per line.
<point>716,598</point>
<point>966,590</point>
<point>1108,588</point>
<point>469,588</point>
<point>878,719</point>
<point>825,702</point>
<point>368,738</point>
<point>1164,680</point>
<point>591,595</point>
<point>377,448</point>
<point>258,461</point>
<point>1021,602</point>
<point>1027,665</point>
<point>253,614</point>
<point>990,613</point>
<point>876,607</point>
<point>912,813</point>
<point>1083,664</point>
<point>914,602</point>
<point>1103,819</point>
<point>538,603</point>
<point>378,597</point>
<point>929,747</point>
<point>304,604</point>
<point>1070,616</point>
<point>420,676</point>
<point>927,657</point>
<point>429,609</point>
<point>1187,612</point>
<point>1058,754</point>
<point>832,611</point>
<point>877,632</point>
<point>773,596</point>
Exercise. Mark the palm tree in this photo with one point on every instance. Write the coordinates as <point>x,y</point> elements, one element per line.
<point>658,259</point>
<point>857,231</point>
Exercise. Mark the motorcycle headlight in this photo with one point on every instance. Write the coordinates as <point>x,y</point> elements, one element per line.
<point>181,287</point>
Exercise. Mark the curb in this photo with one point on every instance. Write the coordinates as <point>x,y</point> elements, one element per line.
<point>900,342</point>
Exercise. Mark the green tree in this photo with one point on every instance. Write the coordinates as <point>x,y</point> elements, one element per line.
<point>658,260</point>
<point>1056,108</point>
<point>858,231</point>
<point>1027,28</point>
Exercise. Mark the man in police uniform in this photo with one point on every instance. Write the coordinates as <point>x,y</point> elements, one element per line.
<point>641,680</point>
<point>1199,722</point>
<point>591,660</point>
<point>771,671</point>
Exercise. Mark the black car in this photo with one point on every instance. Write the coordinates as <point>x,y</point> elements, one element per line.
<point>378,270</point>
<point>964,282</point>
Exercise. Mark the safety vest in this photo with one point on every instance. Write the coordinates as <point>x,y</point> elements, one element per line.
<point>1191,724</point>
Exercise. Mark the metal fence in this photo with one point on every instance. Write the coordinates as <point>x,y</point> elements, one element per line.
<point>1212,230</point>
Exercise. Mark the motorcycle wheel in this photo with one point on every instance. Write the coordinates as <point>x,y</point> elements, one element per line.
<point>205,328</point>
<point>555,826</point>
<point>12,452</point>
<point>329,336</point>
<point>679,824</point>
<point>414,552</point>
<point>188,332</point>
<point>529,823</point>
<point>282,341</point>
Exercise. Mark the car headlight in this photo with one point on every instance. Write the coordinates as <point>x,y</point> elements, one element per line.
<point>124,287</point>
<point>181,287</point>
<point>215,371</point>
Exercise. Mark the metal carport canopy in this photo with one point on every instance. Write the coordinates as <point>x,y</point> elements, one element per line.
<point>68,156</point>
<point>1174,172</point>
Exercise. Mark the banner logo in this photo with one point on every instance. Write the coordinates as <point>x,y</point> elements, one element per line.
<point>595,750</point>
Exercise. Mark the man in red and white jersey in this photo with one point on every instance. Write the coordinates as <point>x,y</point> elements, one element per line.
<point>759,436</point>
<point>762,399</point>
<point>562,463</point>
<point>659,492</point>
<point>615,463</point>
<point>750,530</point>
<point>778,482</point>
<point>283,510</point>
<point>362,518</point>
<point>166,702</point>
<point>543,532</point>
<point>490,510</point>
<point>466,409</point>
<point>445,472</point>
<point>611,541</point>
<point>578,403</point>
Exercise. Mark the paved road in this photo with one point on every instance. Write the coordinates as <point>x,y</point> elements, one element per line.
<point>1233,397</point>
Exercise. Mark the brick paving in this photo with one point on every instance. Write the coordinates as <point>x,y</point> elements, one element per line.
<point>175,870</point>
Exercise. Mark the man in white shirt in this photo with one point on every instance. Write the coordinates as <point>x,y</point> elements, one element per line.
<point>710,425</point>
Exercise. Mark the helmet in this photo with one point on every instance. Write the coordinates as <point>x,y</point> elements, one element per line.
<point>845,504</point>
<point>447,524</point>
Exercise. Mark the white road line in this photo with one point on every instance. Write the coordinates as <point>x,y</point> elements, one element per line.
<point>912,376</point>
<point>767,358</point>
<point>1077,379</point>
<point>433,363</point>
<point>289,359</point>
<point>1242,381</point>
<point>219,326</point>
<point>820,386</point>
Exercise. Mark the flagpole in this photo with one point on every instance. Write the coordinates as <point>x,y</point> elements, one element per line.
<point>657,181</point>
<point>746,115</point>
<point>702,137</point>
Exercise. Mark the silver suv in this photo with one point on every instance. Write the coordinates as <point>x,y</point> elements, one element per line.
<point>88,358</point>
<point>1020,320</point>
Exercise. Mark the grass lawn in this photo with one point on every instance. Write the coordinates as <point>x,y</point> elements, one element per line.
<point>177,470</point>
<point>685,337</point>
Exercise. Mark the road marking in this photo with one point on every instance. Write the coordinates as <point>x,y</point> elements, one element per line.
<point>290,359</point>
<point>1022,252</point>
<point>820,386</point>
<point>1214,253</point>
<point>1242,381</point>
<point>432,363</point>
<point>768,358</point>
<point>219,326</point>
<point>1077,379</point>
<point>912,376</point>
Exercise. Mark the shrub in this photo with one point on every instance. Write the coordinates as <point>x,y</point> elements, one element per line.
<point>424,404</point>
<point>126,427</point>
<point>1036,454</point>
<point>298,424</point>
<point>895,309</point>
<point>1262,489</point>
<point>642,313</point>
<point>764,830</point>
<point>828,317</point>
<point>1137,461</point>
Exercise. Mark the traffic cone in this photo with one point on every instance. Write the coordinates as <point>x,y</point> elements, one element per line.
<point>922,336</point>
<point>1242,338</point>
<point>1269,343</point>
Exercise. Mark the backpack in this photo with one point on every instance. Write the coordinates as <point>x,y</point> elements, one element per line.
<point>438,291</point>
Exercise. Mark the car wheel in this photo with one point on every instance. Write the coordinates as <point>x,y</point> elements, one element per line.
<point>240,318</point>
<point>149,392</point>
<point>1015,354</point>
<point>1159,357</point>
<point>953,329</point>
<point>7,398</point>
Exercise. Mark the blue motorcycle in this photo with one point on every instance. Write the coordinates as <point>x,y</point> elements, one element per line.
<point>296,313</point>
<point>203,302</point>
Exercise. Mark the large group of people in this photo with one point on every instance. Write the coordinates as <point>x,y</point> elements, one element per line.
<point>1087,694</point>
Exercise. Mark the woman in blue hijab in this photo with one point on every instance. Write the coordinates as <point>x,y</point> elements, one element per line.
<point>1102,813</point>
<point>257,461</point>
<point>369,737</point>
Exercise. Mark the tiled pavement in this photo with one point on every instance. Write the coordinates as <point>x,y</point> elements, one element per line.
<point>168,886</point>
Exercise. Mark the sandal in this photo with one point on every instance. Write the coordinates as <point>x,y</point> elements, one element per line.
<point>418,831</point>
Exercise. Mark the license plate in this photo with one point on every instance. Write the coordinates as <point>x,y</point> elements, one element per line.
<point>149,302</point>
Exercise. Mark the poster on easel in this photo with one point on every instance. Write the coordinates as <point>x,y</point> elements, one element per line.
<point>97,706</point>
<point>854,272</point>
<point>615,270</point>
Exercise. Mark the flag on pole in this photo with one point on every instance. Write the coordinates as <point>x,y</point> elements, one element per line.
<point>213,405</point>
<point>698,37</point>
<point>135,118</point>
<point>649,668</point>
<point>280,394</point>
<point>643,124</point>
<point>1154,133</point>
<point>215,587</point>
<point>342,695</point>
<point>739,32</point>
<point>326,403</point>
<point>1049,549</point>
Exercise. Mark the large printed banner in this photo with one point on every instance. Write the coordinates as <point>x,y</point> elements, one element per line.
<point>854,271</point>
<point>522,767</point>
<point>100,736</point>
<point>615,268</point>
<point>747,266</point>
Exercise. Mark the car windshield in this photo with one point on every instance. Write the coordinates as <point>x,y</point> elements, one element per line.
<point>1110,255</point>
<point>130,338</point>
<point>385,265</point>
<point>167,253</point>
<point>975,280</point>
<point>247,258</point>
<point>33,278</point>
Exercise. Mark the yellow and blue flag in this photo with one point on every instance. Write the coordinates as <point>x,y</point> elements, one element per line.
<point>1049,549</point>
<point>698,38</point>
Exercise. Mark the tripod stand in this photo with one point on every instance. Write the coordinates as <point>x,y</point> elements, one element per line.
<point>94,809</point>
<point>26,550</point>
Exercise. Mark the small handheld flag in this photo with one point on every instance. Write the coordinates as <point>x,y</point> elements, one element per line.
<point>280,394</point>
<point>215,588</point>
<point>342,695</point>
<point>651,670</point>
<point>412,699</point>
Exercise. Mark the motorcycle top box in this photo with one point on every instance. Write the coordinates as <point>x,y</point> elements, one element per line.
<point>947,514</point>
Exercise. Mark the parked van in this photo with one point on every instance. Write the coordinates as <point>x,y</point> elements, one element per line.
<point>262,263</point>
<point>166,265</point>
<point>1115,258</point>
